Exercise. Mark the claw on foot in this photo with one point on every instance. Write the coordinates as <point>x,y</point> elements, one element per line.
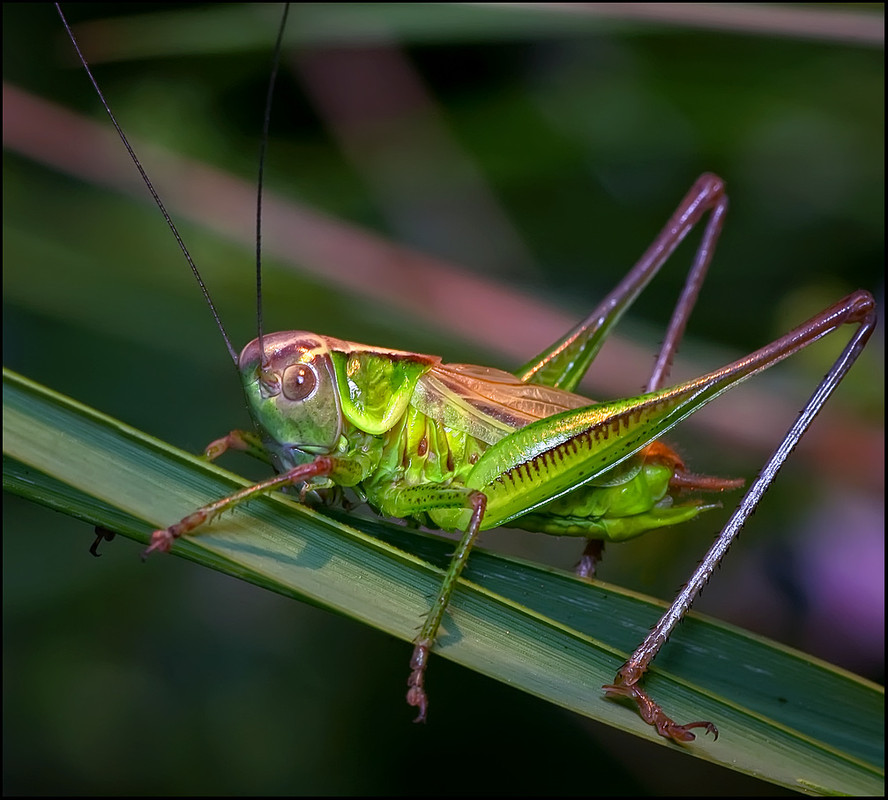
<point>652,714</point>
<point>416,695</point>
<point>216,448</point>
<point>102,535</point>
<point>236,440</point>
<point>161,542</point>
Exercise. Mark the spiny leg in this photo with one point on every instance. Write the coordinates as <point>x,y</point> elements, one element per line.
<point>564,363</point>
<point>858,308</point>
<point>162,540</point>
<point>416,695</point>
<point>709,196</point>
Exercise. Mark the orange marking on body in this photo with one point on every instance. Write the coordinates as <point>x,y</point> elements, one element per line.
<point>682,479</point>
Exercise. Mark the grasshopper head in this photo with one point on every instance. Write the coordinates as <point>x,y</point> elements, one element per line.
<point>291,393</point>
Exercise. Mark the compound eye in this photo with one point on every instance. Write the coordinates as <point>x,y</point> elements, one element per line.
<point>299,382</point>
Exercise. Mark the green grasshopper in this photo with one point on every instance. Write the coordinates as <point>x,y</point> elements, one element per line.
<point>467,448</point>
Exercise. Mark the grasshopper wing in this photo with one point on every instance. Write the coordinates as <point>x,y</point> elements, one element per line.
<point>488,403</point>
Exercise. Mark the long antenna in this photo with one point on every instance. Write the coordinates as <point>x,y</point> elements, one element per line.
<point>263,147</point>
<point>150,186</point>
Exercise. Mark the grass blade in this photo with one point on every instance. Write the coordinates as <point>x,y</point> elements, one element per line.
<point>799,723</point>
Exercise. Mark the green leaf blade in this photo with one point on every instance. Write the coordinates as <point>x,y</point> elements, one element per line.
<point>533,628</point>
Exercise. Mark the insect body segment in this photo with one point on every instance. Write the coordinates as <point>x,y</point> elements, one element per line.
<point>356,405</point>
<point>636,499</point>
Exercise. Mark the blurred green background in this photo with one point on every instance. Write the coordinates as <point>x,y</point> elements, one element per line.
<point>539,149</point>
